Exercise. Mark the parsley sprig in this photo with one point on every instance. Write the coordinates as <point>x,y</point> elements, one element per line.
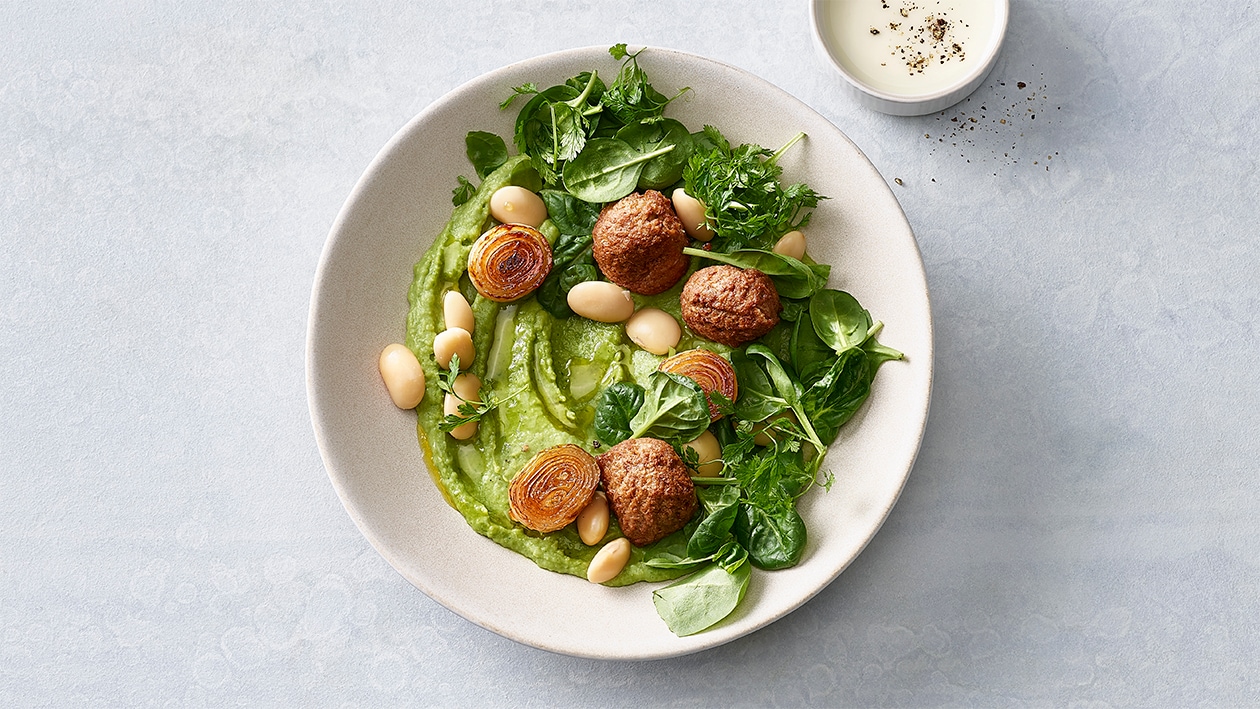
<point>468,411</point>
<point>740,187</point>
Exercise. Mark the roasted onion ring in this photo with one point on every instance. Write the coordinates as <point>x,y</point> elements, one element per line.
<point>553,488</point>
<point>708,369</point>
<point>509,261</point>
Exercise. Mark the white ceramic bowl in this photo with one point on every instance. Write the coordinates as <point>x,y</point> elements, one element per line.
<point>369,447</point>
<point>915,103</point>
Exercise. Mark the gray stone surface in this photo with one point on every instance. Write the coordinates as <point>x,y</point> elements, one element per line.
<point>1080,527</point>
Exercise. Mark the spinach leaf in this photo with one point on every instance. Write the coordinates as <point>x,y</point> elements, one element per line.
<point>810,356</point>
<point>713,530</point>
<point>486,151</point>
<point>570,214</point>
<point>877,354</point>
<point>757,400</point>
<point>838,394</point>
<point>524,175</point>
<point>785,388</point>
<point>607,169</point>
<point>674,409</point>
<point>664,170</point>
<point>729,556</point>
<point>783,384</point>
<point>840,321</point>
<point>702,599</point>
<point>792,278</point>
<point>614,409</point>
<point>572,259</point>
<point>715,497</point>
<point>774,540</point>
<point>573,262</point>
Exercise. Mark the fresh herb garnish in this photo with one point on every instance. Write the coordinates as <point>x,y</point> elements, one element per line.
<point>631,98</point>
<point>740,187</point>
<point>468,411</point>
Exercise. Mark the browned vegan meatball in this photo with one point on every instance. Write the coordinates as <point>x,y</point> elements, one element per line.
<point>730,305</point>
<point>649,489</point>
<point>638,243</point>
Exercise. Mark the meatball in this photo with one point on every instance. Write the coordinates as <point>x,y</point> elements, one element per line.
<point>730,305</point>
<point>638,243</point>
<point>649,489</point>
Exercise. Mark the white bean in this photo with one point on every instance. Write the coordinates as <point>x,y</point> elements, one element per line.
<point>454,341</point>
<point>654,330</point>
<point>708,453</point>
<point>402,375</point>
<point>592,523</point>
<point>601,301</point>
<point>468,388</point>
<point>517,205</point>
<point>456,312</point>
<point>691,213</point>
<point>609,561</point>
<point>791,244</point>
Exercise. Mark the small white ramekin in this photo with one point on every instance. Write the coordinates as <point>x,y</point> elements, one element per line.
<point>913,104</point>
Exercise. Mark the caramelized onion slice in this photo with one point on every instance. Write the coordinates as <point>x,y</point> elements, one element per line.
<point>553,488</point>
<point>509,261</point>
<point>710,370</point>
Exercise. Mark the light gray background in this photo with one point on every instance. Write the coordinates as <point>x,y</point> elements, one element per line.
<point>1079,529</point>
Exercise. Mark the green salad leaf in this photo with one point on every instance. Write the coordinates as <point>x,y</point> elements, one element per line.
<point>647,136</point>
<point>607,169</point>
<point>486,151</point>
<point>572,258</point>
<point>702,599</point>
<point>674,409</point>
<point>614,409</point>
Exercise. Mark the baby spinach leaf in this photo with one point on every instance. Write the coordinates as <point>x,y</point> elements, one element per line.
<point>664,170</point>
<point>712,531</point>
<point>839,320</point>
<point>606,170</point>
<point>572,260</point>
<point>838,394</point>
<point>774,540</point>
<point>877,353</point>
<point>757,400</point>
<point>792,278</point>
<point>702,599</point>
<point>674,409</point>
<point>613,410</point>
<point>783,384</point>
<point>786,388</point>
<point>810,356</point>
<point>715,497</point>
<point>570,214</point>
<point>486,151</point>
<point>572,263</point>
